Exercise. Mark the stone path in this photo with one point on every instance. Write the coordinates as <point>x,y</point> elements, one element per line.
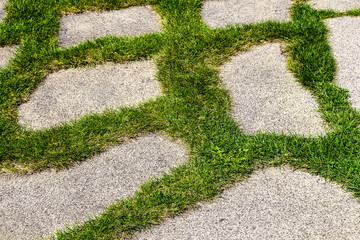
<point>266,97</point>
<point>132,21</point>
<point>272,204</point>
<point>345,43</point>
<point>2,12</point>
<point>71,93</point>
<point>337,5</point>
<point>221,13</point>
<point>5,54</point>
<point>33,206</point>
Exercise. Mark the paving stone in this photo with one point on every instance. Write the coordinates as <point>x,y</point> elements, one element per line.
<point>224,12</point>
<point>272,204</point>
<point>266,96</point>
<point>337,5</point>
<point>5,54</point>
<point>345,43</point>
<point>71,93</point>
<point>34,205</point>
<point>131,21</point>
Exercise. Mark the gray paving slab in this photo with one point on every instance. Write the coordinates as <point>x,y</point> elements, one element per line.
<point>225,12</point>
<point>131,21</point>
<point>34,205</point>
<point>345,43</point>
<point>71,93</point>
<point>272,204</point>
<point>5,54</point>
<point>337,5</point>
<point>266,96</point>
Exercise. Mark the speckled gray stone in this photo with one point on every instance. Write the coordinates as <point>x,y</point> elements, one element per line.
<point>272,204</point>
<point>345,43</point>
<point>5,54</point>
<point>71,93</point>
<point>266,96</point>
<point>34,205</point>
<point>131,21</point>
<point>337,5</point>
<point>225,12</point>
<point>2,12</point>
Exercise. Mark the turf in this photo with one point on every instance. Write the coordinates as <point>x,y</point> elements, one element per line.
<point>194,107</point>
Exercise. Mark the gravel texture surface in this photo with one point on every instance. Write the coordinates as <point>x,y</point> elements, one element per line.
<point>71,93</point>
<point>345,43</point>
<point>224,12</point>
<point>131,21</point>
<point>266,96</point>
<point>273,204</point>
<point>34,205</point>
<point>337,5</point>
<point>5,54</point>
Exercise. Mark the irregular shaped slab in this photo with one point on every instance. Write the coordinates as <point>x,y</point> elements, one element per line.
<point>221,13</point>
<point>5,54</point>
<point>68,94</point>
<point>345,43</point>
<point>266,97</point>
<point>34,205</point>
<point>272,204</point>
<point>336,5</point>
<point>131,21</point>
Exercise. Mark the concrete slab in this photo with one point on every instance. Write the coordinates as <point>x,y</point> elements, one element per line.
<point>266,96</point>
<point>345,43</point>
<point>225,12</point>
<point>2,12</point>
<point>71,93</point>
<point>34,205</point>
<point>131,21</point>
<point>5,54</point>
<point>337,5</point>
<point>272,204</point>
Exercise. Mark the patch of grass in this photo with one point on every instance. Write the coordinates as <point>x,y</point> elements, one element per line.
<point>194,108</point>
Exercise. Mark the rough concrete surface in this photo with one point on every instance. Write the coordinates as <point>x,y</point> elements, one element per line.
<point>2,12</point>
<point>71,93</point>
<point>5,54</point>
<point>35,205</point>
<point>224,12</point>
<point>337,5</point>
<point>131,21</point>
<point>266,97</point>
<point>345,43</point>
<point>272,204</point>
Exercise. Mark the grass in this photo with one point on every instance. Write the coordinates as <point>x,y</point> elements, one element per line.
<point>194,108</point>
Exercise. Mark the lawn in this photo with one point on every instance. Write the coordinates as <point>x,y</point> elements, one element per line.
<point>194,108</point>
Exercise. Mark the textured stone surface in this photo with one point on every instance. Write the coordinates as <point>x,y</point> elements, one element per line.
<point>272,204</point>
<point>266,97</point>
<point>2,12</point>
<point>35,205</point>
<point>131,21</point>
<point>224,12</point>
<point>5,54</point>
<point>71,93</point>
<point>345,43</point>
<point>337,5</point>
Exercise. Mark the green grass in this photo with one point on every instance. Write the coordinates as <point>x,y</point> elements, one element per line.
<point>194,107</point>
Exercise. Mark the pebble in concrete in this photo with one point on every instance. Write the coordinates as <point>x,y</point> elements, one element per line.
<point>131,21</point>
<point>345,43</point>
<point>272,204</point>
<point>224,12</point>
<point>34,205</point>
<point>266,97</point>
<point>71,93</point>
<point>337,5</point>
